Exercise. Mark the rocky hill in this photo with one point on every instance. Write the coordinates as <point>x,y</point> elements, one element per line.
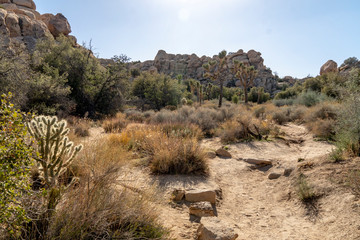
<point>22,25</point>
<point>190,66</point>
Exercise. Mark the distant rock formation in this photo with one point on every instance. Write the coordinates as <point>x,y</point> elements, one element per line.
<point>190,66</point>
<point>20,23</point>
<point>329,66</point>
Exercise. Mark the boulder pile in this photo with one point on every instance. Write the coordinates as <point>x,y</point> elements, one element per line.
<point>20,23</point>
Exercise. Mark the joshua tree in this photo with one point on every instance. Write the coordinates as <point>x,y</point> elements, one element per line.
<point>246,74</point>
<point>192,85</point>
<point>209,87</point>
<point>56,152</point>
<point>216,71</point>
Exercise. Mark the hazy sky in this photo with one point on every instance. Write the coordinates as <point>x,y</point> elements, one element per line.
<point>295,37</point>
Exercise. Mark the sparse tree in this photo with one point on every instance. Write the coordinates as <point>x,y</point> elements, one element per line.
<point>246,74</point>
<point>216,71</point>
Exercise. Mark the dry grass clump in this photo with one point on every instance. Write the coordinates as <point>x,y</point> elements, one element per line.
<point>98,208</point>
<point>170,149</point>
<point>116,124</point>
<point>326,110</point>
<point>82,129</point>
<point>181,130</point>
<point>321,120</point>
<point>282,115</point>
<point>353,181</point>
<point>176,156</point>
<point>322,128</point>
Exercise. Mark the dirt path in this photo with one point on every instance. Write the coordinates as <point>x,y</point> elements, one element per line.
<point>260,208</point>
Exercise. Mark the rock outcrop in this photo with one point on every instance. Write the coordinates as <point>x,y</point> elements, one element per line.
<point>329,66</point>
<point>190,66</point>
<point>21,24</point>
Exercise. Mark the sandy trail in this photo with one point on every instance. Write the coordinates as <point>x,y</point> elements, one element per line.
<point>259,208</point>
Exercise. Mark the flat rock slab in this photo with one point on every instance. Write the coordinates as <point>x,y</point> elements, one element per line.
<point>261,162</point>
<point>212,228</point>
<point>202,209</point>
<point>201,196</point>
<point>223,153</point>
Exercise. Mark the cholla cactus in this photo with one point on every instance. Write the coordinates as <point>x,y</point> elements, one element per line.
<point>56,152</point>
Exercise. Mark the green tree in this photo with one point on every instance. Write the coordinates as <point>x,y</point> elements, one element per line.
<point>216,71</point>
<point>94,88</point>
<point>15,161</point>
<point>156,90</point>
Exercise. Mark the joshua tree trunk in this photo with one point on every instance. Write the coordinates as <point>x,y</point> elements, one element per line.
<point>221,93</point>
<point>246,94</point>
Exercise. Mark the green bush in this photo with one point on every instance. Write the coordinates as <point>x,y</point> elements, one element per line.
<point>156,90</point>
<point>15,161</point>
<point>348,125</point>
<point>310,98</point>
<point>235,99</point>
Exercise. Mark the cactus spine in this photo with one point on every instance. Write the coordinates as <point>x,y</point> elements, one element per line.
<point>56,152</point>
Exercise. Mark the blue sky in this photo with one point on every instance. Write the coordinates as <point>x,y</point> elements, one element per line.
<point>295,37</point>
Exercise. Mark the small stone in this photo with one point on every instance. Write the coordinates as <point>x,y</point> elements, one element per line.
<point>223,153</point>
<point>212,228</point>
<point>201,196</point>
<point>287,172</point>
<point>274,175</point>
<point>178,195</point>
<point>211,155</point>
<point>201,209</point>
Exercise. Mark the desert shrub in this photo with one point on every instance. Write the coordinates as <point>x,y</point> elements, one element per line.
<point>116,124</point>
<point>15,163</point>
<point>243,128</point>
<point>178,156</point>
<point>81,129</point>
<point>310,98</point>
<point>169,152</point>
<point>101,207</point>
<point>326,110</point>
<point>259,112</point>
<point>235,99</point>
<point>291,92</point>
<point>181,130</point>
<point>134,115</point>
<point>348,126</point>
<point>165,116</point>
<point>305,191</point>
<point>297,113</point>
<point>337,155</point>
<point>283,102</point>
<point>206,117</point>
<point>281,115</point>
<point>157,90</point>
<point>353,181</point>
<point>94,89</point>
<point>322,128</point>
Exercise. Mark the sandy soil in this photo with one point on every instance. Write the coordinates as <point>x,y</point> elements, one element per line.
<point>259,208</point>
<point>255,206</point>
